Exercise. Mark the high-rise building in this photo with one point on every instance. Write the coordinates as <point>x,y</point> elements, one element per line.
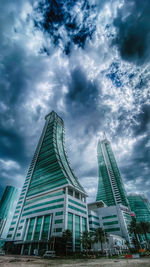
<point>52,198</point>
<point>6,203</point>
<point>140,206</point>
<point>110,186</point>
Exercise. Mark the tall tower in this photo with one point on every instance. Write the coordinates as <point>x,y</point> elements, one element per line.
<point>110,186</point>
<point>52,198</point>
<point>6,203</point>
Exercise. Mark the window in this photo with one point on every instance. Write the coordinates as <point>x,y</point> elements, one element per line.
<point>30,229</point>
<point>70,192</point>
<point>38,228</point>
<point>77,195</point>
<point>46,226</point>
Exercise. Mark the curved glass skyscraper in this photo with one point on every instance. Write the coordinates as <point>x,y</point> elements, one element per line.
<point>110,186</point>
<point>6,203</point>
<point>52,198</point>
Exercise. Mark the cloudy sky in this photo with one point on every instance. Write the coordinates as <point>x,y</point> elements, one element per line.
<point>89,60</point>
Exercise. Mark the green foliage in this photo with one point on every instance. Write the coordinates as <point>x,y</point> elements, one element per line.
<point>87,239</point>
<point>144,229</point>
<point>66,238</point>
<point>100,236</point>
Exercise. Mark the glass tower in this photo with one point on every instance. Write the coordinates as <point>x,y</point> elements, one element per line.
<point>140,206</point>
<point>52,198</point>
<point>6,203</point>
<point>110,186</point>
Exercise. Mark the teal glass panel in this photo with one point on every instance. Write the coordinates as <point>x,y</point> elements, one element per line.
<point>43,197</point>
<point>77,233</point>
<point>112,229</point>
<point>59,213</point>
<point>59,221</point>
<point>109,217</point>
<point>9,236</point>
<point>84,224</point>
<point>110,223</point>
<point>11,229</point>
<point>30,229</point>
<point>70,222</point>
<point>37,228</point>
<point>43,209</point>
<point>92,222</point>
<point>74,208</point>
<point>46,227</point>
<point>18,235</point>
<point>45,203</point>
<point>92,216</point>
<point>12,223</point>
<point>58,230</point>
<point>78,204</point>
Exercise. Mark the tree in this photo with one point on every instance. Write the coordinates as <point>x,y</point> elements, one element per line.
<point>144,228</point>
<point>66,238</point>
<point>87,240</point>
<point>134,229</point>
<point>100,236</point>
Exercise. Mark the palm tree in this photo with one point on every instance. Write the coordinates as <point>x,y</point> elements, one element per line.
<point>144,228</point>
<point>100,236</point>
<point>86,240</point>
<point>134,229</point>
<point>66,238</point>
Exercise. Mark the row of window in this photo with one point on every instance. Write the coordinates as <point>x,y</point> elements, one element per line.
<point>43,209</point>
<point>43,197</point>
<point>44,204</point>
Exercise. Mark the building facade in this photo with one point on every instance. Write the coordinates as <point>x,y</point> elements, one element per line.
<point>6,203</point>
<point>113,219</point>
<point>140,206</point>
<point>110,186</point>
<point>52,199</point>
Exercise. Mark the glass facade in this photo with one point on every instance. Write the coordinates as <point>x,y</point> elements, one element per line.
<point>84,224</point>
<point>77,233</point>
<point>37,228</point>
<point>46,227</point>
<point>6,204</point>
<point>30,229</point>
<point>110,186</point>
<point>140,206</point>
<point>70,221</point>
<point>52,168</point>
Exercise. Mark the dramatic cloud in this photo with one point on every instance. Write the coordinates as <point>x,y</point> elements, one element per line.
<point>88,61</point>
<point>133,25</point>
<point>66,22</point>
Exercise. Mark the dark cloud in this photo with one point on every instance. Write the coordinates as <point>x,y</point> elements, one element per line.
<point>84,102</point>
<point>66,22</point>
<point>133,30</point>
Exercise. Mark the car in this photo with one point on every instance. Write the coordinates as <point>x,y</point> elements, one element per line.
<point>2,253</point>
<point>49,254</point>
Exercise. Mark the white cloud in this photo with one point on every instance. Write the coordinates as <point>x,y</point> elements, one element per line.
<point>9,164</point>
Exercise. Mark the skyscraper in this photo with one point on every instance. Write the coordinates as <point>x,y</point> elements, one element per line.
<point>110,186</point>
<point>52,198</point>
<point>6,203</point>
<point>140,206</point>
